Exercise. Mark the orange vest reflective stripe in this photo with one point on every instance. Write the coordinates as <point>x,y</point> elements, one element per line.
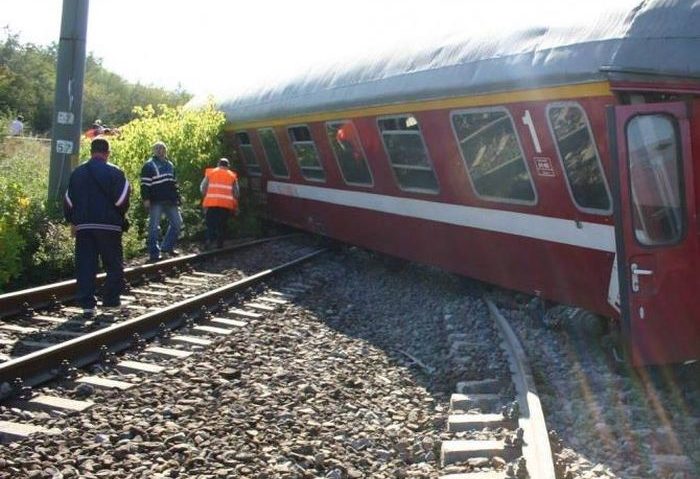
<point>220,189</point>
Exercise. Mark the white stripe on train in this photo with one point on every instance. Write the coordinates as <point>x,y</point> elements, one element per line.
<point>565,231</point>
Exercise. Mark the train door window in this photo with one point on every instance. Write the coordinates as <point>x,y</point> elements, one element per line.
<point>579,157</point>
<point>404,145</point>
<point>273,153</point>
<point>656,179</point>
<point>252,165</point>
<point>348,151</point>
<point>491,149</point>
<point>305,151</point>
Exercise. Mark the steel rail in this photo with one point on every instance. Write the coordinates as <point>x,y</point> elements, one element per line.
<point>14,302</point>
<point>46,364</point>
<point>536,447</point>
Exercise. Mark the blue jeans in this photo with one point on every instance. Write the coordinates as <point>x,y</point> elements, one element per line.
<point>172,213</point>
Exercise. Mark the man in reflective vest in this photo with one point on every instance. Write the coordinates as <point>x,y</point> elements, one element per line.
<point>220,190</point>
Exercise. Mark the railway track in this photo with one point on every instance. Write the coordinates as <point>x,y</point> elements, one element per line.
<point>215,312</point>
<point>492,430</point>
<point>54,295</point>
<point>341,370</point>
<point>37,318</point>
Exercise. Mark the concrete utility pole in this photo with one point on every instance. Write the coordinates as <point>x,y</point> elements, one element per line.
<point>68,102</point>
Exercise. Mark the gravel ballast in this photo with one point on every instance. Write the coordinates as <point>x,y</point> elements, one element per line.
<point>351,380</point>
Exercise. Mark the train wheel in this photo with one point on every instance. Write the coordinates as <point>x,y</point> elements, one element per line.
<point>576,322</point>
<point>583,332</point>
<point>616,349</point>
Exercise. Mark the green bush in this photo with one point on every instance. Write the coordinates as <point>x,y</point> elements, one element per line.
<point>51,251</point>
<point>35,247</point>
<point>194,140</point>
<point>25,254</point>
<point>35,243</point>
<point>13,210</point>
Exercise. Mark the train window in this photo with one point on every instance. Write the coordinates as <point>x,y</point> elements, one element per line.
<point>404,145</point>
<point>348,151</point>
<point>579,157</point>
<point>246,147</point>
<point>656,179</point>
<point>307,156</point>
<point>491,150</point>
<point>273,152</point>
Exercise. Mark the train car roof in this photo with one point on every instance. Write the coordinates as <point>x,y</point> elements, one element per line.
<point>657,37</point>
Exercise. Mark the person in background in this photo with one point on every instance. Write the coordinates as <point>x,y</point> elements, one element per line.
<point>17,126</point>
<point>160,195</point>
<point>95,130</point>
<point>95,204</point>
<point>220,190</point>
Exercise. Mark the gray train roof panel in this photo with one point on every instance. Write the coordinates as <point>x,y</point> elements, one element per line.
<point>658,36</point>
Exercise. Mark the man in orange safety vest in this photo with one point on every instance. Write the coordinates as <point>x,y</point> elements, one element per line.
<point>220,190</point>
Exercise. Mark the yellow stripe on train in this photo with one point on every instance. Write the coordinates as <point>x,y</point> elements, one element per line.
<point>584,90</point>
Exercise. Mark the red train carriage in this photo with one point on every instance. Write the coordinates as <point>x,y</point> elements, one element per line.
<point>555,160</point>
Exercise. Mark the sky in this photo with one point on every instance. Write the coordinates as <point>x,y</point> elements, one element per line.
<point>199,45</point>
<point>205,46</point>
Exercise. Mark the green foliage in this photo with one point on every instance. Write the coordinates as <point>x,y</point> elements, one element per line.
<point>194,143</point>
<point>28,81</point>
<point>13,209</point>
<point>49,255</point>
<point>247,223</point>
<point>34,246</point>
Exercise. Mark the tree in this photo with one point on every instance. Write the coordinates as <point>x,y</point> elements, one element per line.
<point>27,77</point>
<point>28,81</point>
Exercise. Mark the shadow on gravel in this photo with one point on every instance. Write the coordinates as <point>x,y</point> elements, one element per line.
<point>398,307</point>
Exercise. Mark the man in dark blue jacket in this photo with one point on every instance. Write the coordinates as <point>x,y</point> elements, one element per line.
<point>160,195</point>
<point>95,205</point>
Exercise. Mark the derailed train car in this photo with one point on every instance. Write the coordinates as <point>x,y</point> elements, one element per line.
<point>558,160</point>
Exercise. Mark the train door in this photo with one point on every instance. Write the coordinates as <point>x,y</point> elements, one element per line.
<point>657,232</point>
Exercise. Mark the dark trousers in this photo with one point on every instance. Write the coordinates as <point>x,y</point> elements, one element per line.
<point>89,246</point>
<point>216,219</point>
